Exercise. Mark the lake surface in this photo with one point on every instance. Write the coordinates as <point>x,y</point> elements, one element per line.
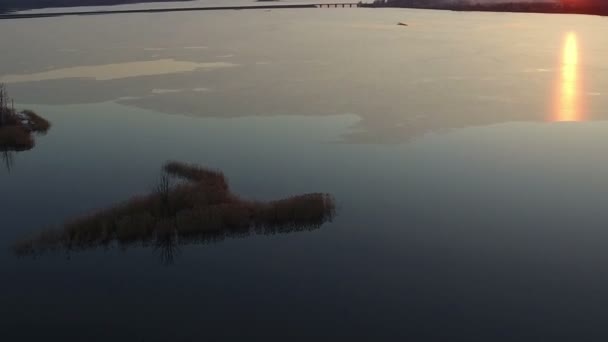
<point>467,154</point>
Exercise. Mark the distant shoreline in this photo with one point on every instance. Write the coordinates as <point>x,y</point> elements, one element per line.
<point>155,10</point>
<point>506,7</point>
<point>13,6</point>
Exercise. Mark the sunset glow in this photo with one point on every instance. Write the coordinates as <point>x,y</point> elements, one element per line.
<point>568,107</point>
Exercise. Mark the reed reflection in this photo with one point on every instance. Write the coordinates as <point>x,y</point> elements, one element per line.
<point>8,159</point>
<point>568,98</point>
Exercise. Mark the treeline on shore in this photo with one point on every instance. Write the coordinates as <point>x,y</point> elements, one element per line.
<point>20,5</point>
<point>575,7</point>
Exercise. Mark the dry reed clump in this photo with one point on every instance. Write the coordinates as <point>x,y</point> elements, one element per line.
<point>16,128</point>
<point>198,207</point>
<point>15,138</point>
<point>36,123</point>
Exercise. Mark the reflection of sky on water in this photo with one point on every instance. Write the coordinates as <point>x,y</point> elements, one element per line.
<point>489,221</point>
<point>495,205</point>
<point>116,71</point>
<point>460,74</point>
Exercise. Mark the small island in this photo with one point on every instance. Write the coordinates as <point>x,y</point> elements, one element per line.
<point>190,204</point>
<point>17,127</point>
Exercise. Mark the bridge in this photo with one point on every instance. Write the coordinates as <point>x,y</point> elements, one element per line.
<point>181,9</point>
<point>342,4</point>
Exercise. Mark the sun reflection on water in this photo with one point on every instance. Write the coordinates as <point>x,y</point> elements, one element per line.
<point>568,106</point>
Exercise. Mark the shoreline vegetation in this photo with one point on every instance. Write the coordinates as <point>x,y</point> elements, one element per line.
<point>8,16</point>
<point>18,127</point>
<point>591,7</point>
<point>190,204</point>
<point>9,6</point>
